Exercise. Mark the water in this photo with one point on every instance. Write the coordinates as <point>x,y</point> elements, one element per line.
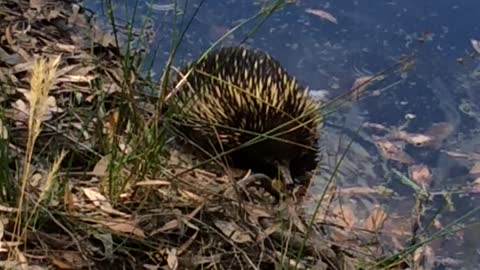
<point>370,36</point>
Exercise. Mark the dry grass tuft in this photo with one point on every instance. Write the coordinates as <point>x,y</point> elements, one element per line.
<point>43,75</point>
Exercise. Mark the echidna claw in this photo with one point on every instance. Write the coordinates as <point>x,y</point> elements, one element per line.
<point>284,169</point>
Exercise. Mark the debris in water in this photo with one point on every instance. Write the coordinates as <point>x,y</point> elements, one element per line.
<point>361,84</point>
<point>322,14</point>
<point>433,137</point>
<point>392,151</point>
<point>376,219</point>
<point>475,44</point>
<point>416,139</point>
<point>410,116</point>
<point>476,186</point>
<point>475,169</point>
<point>420,174</point>
<point>439,131</point>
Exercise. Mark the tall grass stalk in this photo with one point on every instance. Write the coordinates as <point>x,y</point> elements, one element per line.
<point>43,75</point>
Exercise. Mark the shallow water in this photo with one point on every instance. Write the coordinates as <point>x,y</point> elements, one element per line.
<point>370,36</point>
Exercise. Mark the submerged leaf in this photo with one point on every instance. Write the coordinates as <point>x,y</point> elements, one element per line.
<point>392,151</point>
<point>375,221</point>
<point>420,174</point>
<point>476,168</point>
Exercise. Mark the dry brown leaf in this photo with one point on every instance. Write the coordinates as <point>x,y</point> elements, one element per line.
<point>268,231</point>
<point>94,196</point>
<point>345,216</point>
<point>27,56</point>
<point>255,212</point>
<point>105,39</point>
<point>420,174</point>
<point>476,186</point>
<point>476,181</point>
<point>59,264</point>
<point>322,14</point>
<point>190,196</point>
<point>23,109</point>
<point>37,4</point>
<point>175,224</point>
<point>392,151</point>
<point>10,59</point>
<point>77,78</point>
<point>476,168</point>
<point>375,221</point>
<point>126,149</point>
<point>153,183</point>
<point>66,69</point>
<point>83,71</point>
<point>22,67</point>
<point>172,259</point>
<point>234,231</point>
<point>424,258</point>
<point>169,226</point>
<point>22,262</point>
<point>4,208</point>
<point>36,179</point>
<point>9,37</point>
<point>107,208</point>
<point>66,47</point>
<point>433,137</point>
<point>101,167</point>
<point>398,230</point>
<point>75,17</point>
<point>101,202</point>
<point>68,260</point>
<point>122,226</point>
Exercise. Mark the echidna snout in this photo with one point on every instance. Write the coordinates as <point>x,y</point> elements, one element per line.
<point>242,101</point>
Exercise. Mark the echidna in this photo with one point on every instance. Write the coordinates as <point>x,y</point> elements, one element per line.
<point>235,95</point>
